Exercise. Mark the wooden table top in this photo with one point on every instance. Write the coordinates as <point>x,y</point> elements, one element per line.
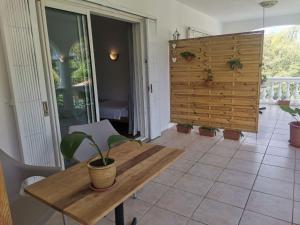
<point>68,191</point>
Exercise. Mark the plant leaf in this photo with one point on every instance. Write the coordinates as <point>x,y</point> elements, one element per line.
<point>71,142</point>
<point>115,140</point>
<point>289,110</point>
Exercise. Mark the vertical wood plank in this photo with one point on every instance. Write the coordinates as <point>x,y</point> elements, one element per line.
<point>5,216</point>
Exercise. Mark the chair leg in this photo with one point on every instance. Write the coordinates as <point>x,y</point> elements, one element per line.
<point>134,196</point>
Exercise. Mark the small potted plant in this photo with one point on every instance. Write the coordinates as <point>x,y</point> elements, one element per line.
<point>283,101</point>
<point>235,63</point>
<point>184,128</point>
<point>188,56</point>
<point>294,126</point>
<point>208,131</point>
<point>102,169</point>
<point>232,134</point>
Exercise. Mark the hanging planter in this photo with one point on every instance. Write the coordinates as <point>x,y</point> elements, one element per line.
<point>188,56</point>
<point>235,63</point>
<point>209,80</point>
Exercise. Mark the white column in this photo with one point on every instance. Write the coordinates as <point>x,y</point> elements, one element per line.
<point>296,93</point>
<point>288,92</point>
<point>271,98</point>
<point>279,90</point>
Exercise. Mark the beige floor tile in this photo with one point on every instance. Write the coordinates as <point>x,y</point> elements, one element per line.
<point>277,173</point>
<point>252,218</point>
<point>56,219</point>
<point>237,178</point>
<point>222,151</point>
<point>249,156</point>
<point>229,194</point>
<point>192,155</point>
<point>182,165</point>
<point>279,208</point>
<point>132,208</point>
<point>279,161</point>
<point>194,184</point>
<point>297,192</point>
<point>215,160</point>
<point>159,216</point>
<point>274,187</point>
<point>282,152</point>
<point>256,141</point>
<point>253,148</point>
<point>168,177</point>
<point>193,222</point>
<point>205,171</point>
<point>297,177</point>
<point>279,143</point>
<point>243,166</point>
<point>152,192</point>
<point>296,218</point>
<point>217,213</point>
<point>228,143</point>
<point>297,164</point>
<point>180,202</point>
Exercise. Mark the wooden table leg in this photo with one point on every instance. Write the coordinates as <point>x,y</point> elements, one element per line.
<point>119,216</point>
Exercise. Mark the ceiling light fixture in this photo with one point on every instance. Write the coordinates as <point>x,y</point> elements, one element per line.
<point>267,4</point>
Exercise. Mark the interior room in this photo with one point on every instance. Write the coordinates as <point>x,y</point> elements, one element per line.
<point>173,112</point>
<point>113,51</point>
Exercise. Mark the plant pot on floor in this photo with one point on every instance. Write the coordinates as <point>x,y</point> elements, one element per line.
<point>102,176</point>
<point>295,134</point>
<point>206,132</point>
<point>283,102</point>
<point>184,128</point>
<point>232,134</point>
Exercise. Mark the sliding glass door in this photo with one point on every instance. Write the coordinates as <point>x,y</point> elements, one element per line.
<point>71,71</point>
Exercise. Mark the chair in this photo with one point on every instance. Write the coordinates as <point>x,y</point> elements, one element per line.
<point>100,131</point>
<point>25,210</point>
<point>5,215</point>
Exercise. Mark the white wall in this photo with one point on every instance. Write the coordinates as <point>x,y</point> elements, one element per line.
<point>170,15</point>
<point>249,25</point>
<point>8,132</point>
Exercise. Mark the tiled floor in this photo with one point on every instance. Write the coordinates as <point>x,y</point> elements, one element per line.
<point>219,182</point>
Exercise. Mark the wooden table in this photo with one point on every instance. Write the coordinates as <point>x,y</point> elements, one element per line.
<point>69,193</point>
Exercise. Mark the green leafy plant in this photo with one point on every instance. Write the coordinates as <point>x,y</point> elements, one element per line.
<point>210,128</point>
<point>235,63</point>
<point>295,113</point>
<point>187,55</point>
<point>71,142</point>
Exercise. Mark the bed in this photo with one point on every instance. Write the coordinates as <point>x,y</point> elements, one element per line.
<point>113,109</point>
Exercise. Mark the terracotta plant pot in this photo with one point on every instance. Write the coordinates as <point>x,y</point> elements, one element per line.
<point>183,129</point>
<point>205,132</point>
<point>102,176</point>
<point>209,83</point>
<point>189,58</point>
<point>283,102</point>
<point>232,134</point>
<point>295,134</point>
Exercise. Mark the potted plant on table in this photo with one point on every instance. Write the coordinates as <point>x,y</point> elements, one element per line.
<point>232,134</point>
<point>102,168</point>
<point>184,128</point>
<point>208,131</point>
<point>294,126</point>
<point>188,56</point>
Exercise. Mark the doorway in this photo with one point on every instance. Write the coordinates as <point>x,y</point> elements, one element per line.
<point>114,64</point>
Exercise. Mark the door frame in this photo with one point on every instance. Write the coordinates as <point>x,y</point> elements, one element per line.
<point>139,52</point>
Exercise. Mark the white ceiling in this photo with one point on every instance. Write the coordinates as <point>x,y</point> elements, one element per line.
<point>234,10</point>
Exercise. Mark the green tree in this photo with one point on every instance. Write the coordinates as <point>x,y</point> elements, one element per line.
<point>282,53</point>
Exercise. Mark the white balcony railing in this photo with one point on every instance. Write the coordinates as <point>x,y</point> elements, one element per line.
<point>278,88</point>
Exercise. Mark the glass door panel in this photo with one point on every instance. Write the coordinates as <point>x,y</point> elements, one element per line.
<point>71,67</point>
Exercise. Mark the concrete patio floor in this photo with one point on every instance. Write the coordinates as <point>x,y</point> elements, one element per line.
<point>219,182</point>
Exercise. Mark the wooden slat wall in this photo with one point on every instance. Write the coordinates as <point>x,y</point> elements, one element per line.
<point>233,100</point>
<point>5,216</point>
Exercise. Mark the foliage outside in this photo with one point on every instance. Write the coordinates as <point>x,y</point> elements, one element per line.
<point>295,113</point>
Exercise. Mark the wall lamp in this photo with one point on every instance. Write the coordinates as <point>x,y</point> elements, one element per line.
<point>113,55</point>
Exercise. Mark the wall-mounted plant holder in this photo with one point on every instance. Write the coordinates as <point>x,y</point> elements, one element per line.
<point>210,76</point>
<point>235,64</point>
<point>174,59</point>
<point>188,56</point>
<point>174,45</point>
